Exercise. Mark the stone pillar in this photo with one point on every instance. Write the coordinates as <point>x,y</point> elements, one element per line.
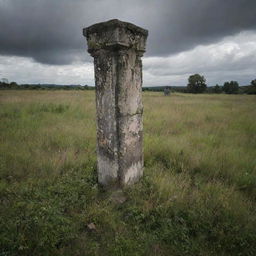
<point>117,48</point>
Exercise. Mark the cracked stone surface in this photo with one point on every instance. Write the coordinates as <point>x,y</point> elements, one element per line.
<point>117,48</point>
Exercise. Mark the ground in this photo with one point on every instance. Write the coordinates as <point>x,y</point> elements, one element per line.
<point>197,196</point>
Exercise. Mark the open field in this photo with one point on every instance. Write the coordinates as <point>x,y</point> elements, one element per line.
<point>197,197</point>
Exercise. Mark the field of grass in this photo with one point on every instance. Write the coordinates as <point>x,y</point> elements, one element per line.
<point>197,196</point>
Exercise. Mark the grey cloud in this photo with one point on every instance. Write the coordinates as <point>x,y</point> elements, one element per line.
<point>51,31</point>
<point>233,58</point>
<point>186,25</point>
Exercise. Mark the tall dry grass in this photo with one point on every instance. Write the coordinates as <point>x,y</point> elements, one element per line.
<point>197,196</point>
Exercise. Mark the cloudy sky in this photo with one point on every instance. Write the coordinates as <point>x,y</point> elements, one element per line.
<point>41,40</point>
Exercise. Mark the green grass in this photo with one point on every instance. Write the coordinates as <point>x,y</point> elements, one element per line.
<point>197,196</point>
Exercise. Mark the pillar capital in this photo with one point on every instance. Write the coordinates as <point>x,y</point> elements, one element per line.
<point>115,35</point>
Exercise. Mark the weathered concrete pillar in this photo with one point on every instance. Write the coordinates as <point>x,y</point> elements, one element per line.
<point>117,48</point>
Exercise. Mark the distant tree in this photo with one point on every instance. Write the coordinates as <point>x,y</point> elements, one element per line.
<point>231,87</point>
<point>196,84</point>
<point>4,84</point>
<point>217,89</point>
<point>252,87</point>
<point>4,80</point>
<point>13,85</point>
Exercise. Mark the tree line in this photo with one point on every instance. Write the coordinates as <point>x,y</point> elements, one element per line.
<point>197,84</point>
<point>15,86</point>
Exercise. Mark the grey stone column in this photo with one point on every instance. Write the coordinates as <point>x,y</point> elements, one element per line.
<point>117,48</point>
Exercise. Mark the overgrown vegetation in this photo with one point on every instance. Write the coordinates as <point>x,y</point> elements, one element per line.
<point>197,197</point>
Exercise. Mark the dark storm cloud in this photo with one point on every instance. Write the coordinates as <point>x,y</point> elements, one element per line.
<point>50,31</point>
<point>45,30</point>
<point>195,22</point>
